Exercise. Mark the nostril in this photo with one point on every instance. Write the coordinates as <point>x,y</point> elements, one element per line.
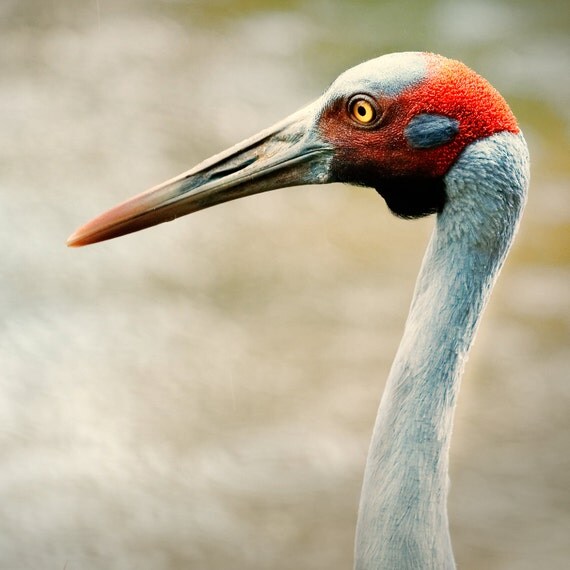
<point>232,169</point>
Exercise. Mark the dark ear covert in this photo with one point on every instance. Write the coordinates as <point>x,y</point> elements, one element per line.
<point>430,130</point>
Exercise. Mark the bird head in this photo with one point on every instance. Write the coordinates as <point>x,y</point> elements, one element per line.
<point>396,123</point>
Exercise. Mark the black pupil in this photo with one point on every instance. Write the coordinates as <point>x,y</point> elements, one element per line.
<point>361,110</point>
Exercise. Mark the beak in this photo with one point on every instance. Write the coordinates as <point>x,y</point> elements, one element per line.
<point>290,153</point>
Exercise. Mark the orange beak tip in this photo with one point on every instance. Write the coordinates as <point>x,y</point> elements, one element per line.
<point>79,238</point>
<point>73,241</point>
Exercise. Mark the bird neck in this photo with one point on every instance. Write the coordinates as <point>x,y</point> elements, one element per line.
<point>402,520</point>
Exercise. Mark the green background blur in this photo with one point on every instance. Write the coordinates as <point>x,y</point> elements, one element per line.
<point>201,395</point>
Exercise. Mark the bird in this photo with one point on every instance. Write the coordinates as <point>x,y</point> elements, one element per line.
<point>431,136</point>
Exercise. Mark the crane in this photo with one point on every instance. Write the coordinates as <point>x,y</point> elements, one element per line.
<point>432,137</point>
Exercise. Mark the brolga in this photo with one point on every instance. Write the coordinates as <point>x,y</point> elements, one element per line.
<point>432,137</point>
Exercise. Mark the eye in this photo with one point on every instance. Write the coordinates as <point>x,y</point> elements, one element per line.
<point>363,110</point>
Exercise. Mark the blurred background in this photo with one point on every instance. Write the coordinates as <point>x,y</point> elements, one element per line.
<point>201,395</point>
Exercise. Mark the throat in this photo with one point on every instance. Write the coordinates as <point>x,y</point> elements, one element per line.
<point>412,196</point>
<point>408,196</point>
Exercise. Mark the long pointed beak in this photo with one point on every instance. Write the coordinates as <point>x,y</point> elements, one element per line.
<point>288,154</point>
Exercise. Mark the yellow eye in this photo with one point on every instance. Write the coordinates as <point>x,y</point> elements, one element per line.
<point>362,111</point>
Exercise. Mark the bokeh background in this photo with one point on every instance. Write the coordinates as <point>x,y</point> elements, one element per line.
<point>201,395</point>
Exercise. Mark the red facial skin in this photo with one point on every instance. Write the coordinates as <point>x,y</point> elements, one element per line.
<point>450,89</point>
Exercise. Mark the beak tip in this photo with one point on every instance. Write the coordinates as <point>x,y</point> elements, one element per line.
<point>72,241</point>
<point>78,239</point>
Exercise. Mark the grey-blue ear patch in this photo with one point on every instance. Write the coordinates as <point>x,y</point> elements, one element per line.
<point>429,130</point>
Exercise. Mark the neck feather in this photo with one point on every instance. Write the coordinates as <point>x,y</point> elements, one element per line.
<point>402,520</point>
